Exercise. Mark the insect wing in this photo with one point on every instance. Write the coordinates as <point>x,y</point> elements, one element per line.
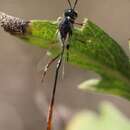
<point>43,60</point>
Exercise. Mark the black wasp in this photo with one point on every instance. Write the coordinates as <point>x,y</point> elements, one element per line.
<point>65,30</point>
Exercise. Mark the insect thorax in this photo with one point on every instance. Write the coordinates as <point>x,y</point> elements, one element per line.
<point>66,25</point>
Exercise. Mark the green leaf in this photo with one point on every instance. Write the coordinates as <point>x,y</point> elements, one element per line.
<point>108,118</point>
<point>91,48</point>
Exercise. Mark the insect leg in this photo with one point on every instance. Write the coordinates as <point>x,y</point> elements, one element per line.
<point>51,105</point>
<point>67,48</point>
<point>68,44</point>
<point>47,67</point>
<point>80,24</point>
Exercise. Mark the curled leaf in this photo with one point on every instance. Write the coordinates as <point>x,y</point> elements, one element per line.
<point>90,48</point>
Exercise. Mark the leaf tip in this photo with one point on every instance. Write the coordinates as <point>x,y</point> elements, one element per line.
<point>89,84</point>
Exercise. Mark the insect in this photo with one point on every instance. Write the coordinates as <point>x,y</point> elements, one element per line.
<point>17,26</point>
<point>65,32</point>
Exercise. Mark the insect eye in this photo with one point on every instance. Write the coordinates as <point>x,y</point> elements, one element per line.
<point>69,10</point>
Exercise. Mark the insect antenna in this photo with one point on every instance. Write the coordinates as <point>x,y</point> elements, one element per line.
<point>70,4</point>
<point>75,4</point>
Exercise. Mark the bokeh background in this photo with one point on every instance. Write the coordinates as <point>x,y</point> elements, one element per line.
<point>23,99</point>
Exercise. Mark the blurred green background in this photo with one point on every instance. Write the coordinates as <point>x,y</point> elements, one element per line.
<point>23,99</point>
